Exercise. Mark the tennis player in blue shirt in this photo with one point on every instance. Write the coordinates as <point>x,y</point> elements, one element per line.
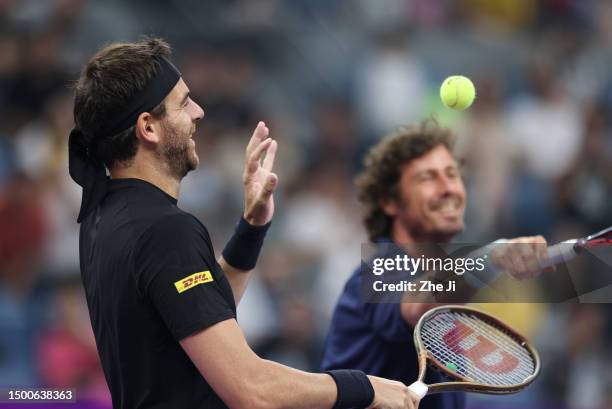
<point>412,192</point>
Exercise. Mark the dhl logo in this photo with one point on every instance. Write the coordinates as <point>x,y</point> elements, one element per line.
<point>193,280</point>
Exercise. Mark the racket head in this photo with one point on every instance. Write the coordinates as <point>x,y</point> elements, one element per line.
<point>475,350</point>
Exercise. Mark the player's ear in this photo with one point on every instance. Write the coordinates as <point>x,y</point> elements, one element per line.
<point>389,207</point>
<point>148,129</point>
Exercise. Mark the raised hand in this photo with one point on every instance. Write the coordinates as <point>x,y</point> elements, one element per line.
<point>258,179</point>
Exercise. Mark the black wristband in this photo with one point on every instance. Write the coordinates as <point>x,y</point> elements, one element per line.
<point>242,249</point>
<point>354,389</point>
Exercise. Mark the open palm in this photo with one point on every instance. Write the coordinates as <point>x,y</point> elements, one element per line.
<point>258,179</point>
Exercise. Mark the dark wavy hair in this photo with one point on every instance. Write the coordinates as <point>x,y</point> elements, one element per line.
<point>110,79</point>
<point>379,181</point>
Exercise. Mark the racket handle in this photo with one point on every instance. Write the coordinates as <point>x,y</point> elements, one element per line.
<point>419,389</point>
<point>559,253</point>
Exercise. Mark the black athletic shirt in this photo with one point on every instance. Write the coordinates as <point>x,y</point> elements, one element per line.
<point>151,279</point>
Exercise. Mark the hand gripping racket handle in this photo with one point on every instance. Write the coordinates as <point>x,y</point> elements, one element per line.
<point>559,253</point>
<point>419,389</point>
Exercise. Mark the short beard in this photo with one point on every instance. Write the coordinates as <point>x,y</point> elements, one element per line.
<point>175,153</point>
<point>419,233</point>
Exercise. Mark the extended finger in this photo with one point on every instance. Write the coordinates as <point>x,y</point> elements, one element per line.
<point>260,133</point>
<point>268,162</point>
<point>255,156</point>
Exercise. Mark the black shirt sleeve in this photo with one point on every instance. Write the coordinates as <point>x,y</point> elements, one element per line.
<point>175,268</point>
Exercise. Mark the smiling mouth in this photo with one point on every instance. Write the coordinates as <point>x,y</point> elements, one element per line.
<point>450,206</point>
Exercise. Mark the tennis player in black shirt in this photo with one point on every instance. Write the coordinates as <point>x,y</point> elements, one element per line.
<point>162,306</point>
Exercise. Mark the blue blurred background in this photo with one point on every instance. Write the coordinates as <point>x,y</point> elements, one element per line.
<point>329,78</point>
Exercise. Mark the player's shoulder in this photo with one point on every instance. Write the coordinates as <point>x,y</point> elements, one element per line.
<point>175,224</point>
<point>173,232</point>
<point>352,286</point>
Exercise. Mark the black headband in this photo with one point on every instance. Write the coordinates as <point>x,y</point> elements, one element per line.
<point>88,171</point>
<point>148,98</point>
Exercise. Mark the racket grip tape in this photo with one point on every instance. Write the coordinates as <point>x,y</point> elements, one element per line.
<point>559,253</point>
<point>419,389</point>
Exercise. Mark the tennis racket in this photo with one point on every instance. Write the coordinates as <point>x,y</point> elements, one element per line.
<point>474,350</point>
<point>569,249</point>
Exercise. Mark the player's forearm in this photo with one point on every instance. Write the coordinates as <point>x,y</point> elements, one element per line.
<point>238,279</point>
<point>244,380</point>
<point>275,386</point>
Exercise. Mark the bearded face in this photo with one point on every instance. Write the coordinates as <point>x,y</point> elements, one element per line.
<point>177,149</point>
<point>431,201</point>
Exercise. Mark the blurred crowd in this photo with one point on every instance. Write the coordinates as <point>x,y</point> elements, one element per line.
<point>330,78</point>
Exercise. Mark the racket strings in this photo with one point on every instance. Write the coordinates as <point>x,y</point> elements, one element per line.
<point>486,375</point>
<point>460,341</point>
<point>479,351</point>
<point>495,358</point>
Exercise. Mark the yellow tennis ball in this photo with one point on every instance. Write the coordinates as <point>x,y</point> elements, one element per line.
<point>457,92</point>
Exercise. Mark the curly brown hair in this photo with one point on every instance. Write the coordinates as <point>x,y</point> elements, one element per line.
<point>379,181</point>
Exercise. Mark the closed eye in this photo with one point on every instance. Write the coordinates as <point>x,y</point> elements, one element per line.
<point>185,100</point>
<point>452,172</point>
<point>425,176</point>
